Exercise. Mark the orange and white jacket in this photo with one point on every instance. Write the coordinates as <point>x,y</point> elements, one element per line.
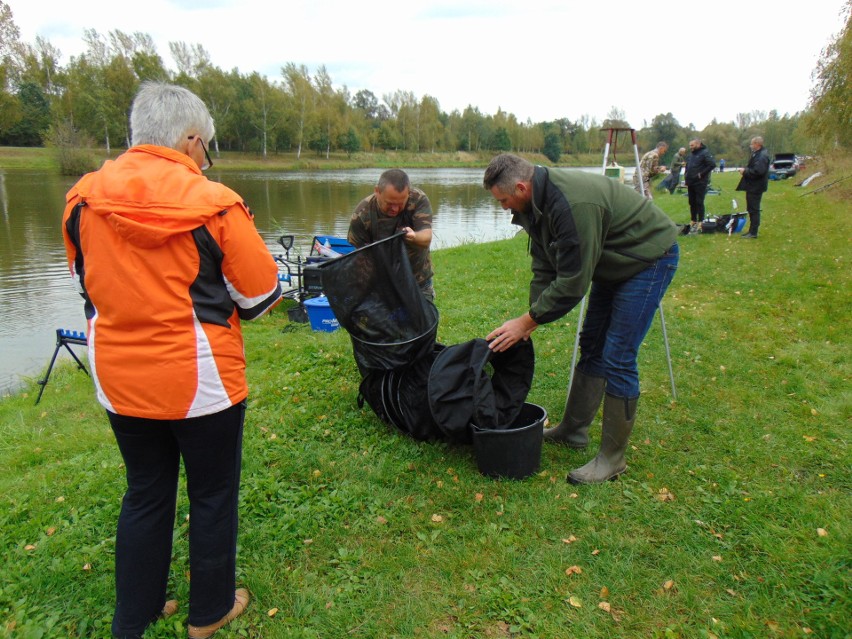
<point>168,262</point>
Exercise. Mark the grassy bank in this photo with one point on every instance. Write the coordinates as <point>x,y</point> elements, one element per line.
<point>41,158</point>
<point>731,522</point>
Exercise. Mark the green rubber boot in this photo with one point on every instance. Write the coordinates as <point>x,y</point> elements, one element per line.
<point>581,406</point>
<point>619,413</point>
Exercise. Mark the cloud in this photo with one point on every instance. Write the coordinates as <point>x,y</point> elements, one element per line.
<point>542,61</point>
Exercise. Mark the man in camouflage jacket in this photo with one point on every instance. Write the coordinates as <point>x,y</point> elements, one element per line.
<point>650,166</point>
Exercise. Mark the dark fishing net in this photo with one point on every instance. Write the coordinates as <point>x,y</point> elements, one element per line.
<point>420,387</point>
<point>375,297</point>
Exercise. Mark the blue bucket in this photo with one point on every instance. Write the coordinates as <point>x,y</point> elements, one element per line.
<point>740,224</point>
<point>320,314</point>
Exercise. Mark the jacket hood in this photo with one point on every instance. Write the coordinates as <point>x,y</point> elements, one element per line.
<point>151,193</point>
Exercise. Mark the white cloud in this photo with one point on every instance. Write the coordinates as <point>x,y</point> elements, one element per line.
<point>541,60</point>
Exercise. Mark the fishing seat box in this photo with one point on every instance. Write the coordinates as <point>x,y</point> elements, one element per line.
<point>312,276</point>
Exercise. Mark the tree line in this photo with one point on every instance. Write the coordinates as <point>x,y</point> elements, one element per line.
<point>303,112</point>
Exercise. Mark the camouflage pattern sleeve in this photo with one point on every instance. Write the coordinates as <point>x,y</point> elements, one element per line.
<point>419,209</point>
<point>359,225</point>
<point>650,164</point>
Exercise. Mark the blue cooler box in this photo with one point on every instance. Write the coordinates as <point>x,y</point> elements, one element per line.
<point>320,314</point>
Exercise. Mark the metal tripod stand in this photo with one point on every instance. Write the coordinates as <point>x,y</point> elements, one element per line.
<point>613,138</point>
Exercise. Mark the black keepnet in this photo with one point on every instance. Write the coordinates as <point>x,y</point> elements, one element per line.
<point>424,389</point>
<point>375,297</point>
<point>470,385</point>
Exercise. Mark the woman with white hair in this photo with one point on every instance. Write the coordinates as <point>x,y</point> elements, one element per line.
<point>169,263</point>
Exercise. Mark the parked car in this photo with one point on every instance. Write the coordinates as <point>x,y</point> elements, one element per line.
<point>783,165</point>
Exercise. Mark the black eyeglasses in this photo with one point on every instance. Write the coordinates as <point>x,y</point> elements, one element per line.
<point>208,160</point>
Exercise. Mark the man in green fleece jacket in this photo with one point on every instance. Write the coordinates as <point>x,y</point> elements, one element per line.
<point>584,230</point>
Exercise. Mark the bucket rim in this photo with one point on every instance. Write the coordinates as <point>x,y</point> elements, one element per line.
<point>539,422</point>
<point>320,300</point>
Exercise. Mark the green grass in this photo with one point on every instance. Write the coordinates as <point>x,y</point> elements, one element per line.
<point>338,514</point>
<point>47,159</point>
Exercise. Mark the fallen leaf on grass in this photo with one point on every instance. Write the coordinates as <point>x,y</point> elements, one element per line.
<point>569,540</point>
<point>665,495</point>
<point>604,593</point>
<point>596,552</point>
<point>808,438</point>
<point>573,570</point>
<point>381,520</point>
<point>731,592</point>
<point>272,612</point>
<point>50,531</point>
<point>822,532</point>
<point>87,566</point>
<point>479,497</point>
<point>30,547</point>
<point>437,519</point>
<point>668,585</point>
<point>575,602</point>
<point>604,605</point>
<point>717,557</point>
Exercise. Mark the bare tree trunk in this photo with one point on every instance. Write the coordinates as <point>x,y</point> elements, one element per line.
<point>328,140</point>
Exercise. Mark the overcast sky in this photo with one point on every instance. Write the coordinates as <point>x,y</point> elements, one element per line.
<point>539,60</point>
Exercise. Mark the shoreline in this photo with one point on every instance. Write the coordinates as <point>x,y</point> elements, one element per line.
<point>43,158</point>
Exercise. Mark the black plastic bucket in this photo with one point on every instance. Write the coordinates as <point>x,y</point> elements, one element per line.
<point>513,452</point>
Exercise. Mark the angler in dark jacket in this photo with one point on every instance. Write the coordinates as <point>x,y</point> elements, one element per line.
<point>754,181</point>
<point>699,166</point>
<point>587,229</point>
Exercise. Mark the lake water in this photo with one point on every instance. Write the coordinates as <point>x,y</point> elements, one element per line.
<point>36,294</point>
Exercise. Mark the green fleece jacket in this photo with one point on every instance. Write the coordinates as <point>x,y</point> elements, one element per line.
<point>587,228</point>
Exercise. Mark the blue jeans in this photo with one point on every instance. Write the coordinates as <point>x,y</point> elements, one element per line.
<point>617,320</point>
<point>211,448</point>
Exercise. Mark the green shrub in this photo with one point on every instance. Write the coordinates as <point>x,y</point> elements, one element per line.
<point>74,149</point>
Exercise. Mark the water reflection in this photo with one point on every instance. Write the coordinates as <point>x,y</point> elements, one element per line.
<point>36,295</point>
